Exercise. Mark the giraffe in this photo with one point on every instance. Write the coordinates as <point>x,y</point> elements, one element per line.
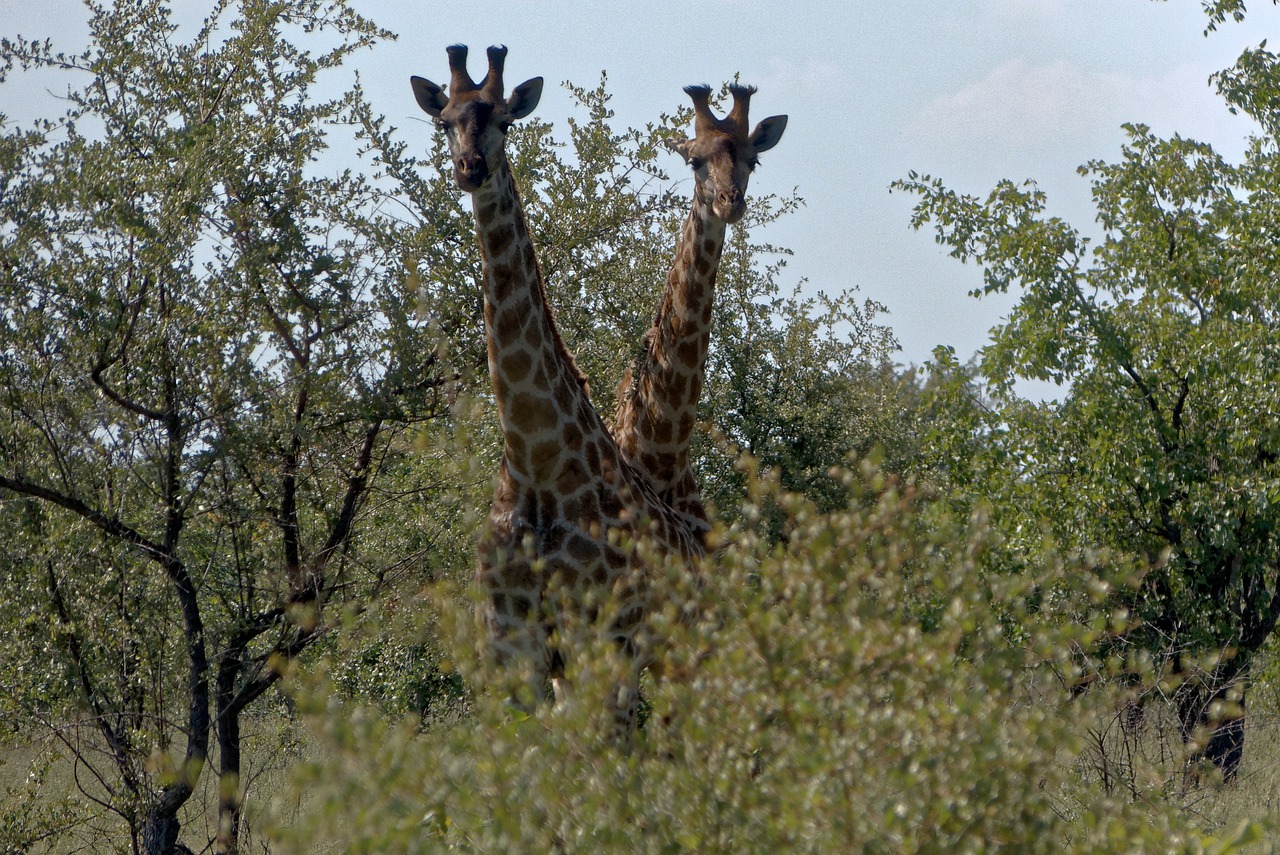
<point>570,520</point>
<point>657,404</point>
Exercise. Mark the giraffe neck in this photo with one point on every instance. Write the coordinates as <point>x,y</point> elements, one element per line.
<point>657,407</point>
<point>540,392</point>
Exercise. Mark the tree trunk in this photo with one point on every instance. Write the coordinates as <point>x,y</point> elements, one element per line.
<point>229,782</point>
<point>1225,746</point>
<point>160,831</point>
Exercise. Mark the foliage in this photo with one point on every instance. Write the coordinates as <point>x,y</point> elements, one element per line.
<point>211,380</point>
<point>1218,11</point>
<point>845,692</point>
<point>32,812</point>
<point>1166,444</point>
<point>802,384</point>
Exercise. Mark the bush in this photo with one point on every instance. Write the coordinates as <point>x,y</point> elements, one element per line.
<point>860,686</point>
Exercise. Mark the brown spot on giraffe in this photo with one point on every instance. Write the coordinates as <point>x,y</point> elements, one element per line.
<point>530,415</point>
<point>544,460</point>
<point>572,436</point>
<point>508,323</point>
<point>566,395</point>
<point>516,365</point>
<point>587,553</point>
<point>578,508</point>
<point>690,352</point>
<point>662,432</point>
<point>516,446</point>
<point>499,240</point>
<point>534,334</point>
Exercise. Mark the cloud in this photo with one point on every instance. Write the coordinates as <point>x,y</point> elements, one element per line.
<point>1024,9</point>
<point>1018,102</point>
<point>811,77</point>
<point>1024,105</point>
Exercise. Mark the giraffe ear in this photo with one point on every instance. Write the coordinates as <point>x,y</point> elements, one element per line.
<point>430,97</point>
<point>524,98</point>
<point>680,147</point>
<point>768,132</point>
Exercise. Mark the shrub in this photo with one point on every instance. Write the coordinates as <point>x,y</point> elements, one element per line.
<point>860,686</point>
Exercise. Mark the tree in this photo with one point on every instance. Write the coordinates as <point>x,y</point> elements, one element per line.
<point>210,369</point>
<point>244,385</point>
<point>1219,10</point>
<point>802,384</point>
<point>1166,444</point>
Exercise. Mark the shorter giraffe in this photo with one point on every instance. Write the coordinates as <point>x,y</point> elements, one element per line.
<point>571,520</point>
<point>658,401</point>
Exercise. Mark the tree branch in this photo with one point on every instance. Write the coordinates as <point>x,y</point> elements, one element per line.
<point>288,521</point>
<point>197,729</point>
<point>109,524</point>
<point>1175,418</point>
<point>137,409</point>
<point>119,742</point>
<point>356,486</point>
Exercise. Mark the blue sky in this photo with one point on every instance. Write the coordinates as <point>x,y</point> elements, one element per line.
<point>968,90</point>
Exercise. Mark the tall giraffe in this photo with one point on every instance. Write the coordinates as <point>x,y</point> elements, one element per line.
<point>569,514</point>
<point>658,403</point>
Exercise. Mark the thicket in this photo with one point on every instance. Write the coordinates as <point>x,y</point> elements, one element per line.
<point>865,685</point>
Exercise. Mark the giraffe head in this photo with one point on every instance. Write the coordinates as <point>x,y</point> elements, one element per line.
<point>722,153</point>
<point>476,117</point>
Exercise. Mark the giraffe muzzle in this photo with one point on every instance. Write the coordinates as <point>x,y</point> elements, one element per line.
<point>731,205</point>
<point>470,171</point>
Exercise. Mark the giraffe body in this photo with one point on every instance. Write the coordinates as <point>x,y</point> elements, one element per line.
<point>658,400</point>
<point>569,513</point>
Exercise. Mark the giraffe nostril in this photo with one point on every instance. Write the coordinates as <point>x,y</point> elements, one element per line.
<point>730,205</point>
<point>470,170</point>
<point>730,201</point>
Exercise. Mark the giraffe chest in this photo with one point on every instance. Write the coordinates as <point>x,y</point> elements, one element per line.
<point>572,540</point>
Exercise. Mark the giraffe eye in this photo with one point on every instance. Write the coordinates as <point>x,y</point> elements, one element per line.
<point>695,163</point>
<point>444,125</point>
<point>753,163</point>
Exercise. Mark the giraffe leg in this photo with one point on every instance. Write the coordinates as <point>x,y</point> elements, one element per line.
<point>625,700</point>
<point>626,706</point>
<point>629,701</point>
<point>563,691</point>
<point>519,648</point>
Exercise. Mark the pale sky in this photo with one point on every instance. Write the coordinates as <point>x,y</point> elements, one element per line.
<point>967,90</point>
